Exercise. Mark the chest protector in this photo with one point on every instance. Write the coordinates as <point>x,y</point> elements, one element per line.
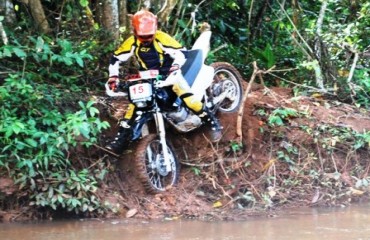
<point>152,57</point>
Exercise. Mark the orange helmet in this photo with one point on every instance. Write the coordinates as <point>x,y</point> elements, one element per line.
<point>145,25</point>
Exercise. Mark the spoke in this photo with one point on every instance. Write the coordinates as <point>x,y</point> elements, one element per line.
<point>149,154</point>
<point>159,182</point>
<point>155,169</point>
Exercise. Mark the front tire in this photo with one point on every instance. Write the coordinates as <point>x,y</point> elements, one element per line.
<point>150,165</point>
<point>226,78</point>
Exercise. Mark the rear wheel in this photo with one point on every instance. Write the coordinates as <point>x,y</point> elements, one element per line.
<point>227,86</point>
<point>150,165</point>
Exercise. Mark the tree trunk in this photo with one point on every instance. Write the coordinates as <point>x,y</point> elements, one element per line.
<point>124,19</point>
<point>295,16</point>
<point>255,25</point>
<point>38,15</point>
<point>178,13</point>
<point>7,10</point>
<point>353,9</point>
<point>166,11</point>
<point>4,37</point>
<point>319,47</point>
<point>110,17</point>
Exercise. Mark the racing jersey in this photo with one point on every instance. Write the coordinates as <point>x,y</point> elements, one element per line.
<point>160,54</point>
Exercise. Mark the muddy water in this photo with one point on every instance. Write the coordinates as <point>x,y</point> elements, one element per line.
<point>325,224</point>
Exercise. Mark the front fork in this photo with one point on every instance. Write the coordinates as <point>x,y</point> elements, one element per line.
<point>159,120</point>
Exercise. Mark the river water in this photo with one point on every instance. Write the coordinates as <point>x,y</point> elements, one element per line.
<point>351,222</point>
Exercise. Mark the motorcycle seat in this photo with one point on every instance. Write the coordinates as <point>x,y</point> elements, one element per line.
<point>192,65</point>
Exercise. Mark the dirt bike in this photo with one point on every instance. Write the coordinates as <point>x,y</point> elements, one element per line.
<point>217,85</point>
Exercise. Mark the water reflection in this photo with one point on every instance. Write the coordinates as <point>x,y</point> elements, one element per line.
<point>329,224</point>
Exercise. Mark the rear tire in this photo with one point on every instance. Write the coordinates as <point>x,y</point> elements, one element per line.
<point>226,78</point>
<point>150,166</point>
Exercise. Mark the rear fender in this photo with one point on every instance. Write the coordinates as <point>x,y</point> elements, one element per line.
<point>203,43</point>
<point>202,82</point>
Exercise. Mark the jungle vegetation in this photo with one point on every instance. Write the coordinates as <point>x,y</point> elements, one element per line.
<point>54,54</point>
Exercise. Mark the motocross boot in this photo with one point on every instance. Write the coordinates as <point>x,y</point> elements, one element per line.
<point>210,119</point>
<point>121,139</point>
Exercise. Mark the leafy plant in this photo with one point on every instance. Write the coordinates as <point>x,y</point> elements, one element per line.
<point>196,171</point>
<point>235,146</point>
<point>40,127</point>
<point>266,56</point>
<point>362,87</point>
<point>362,140</point>
<point>278,116</point>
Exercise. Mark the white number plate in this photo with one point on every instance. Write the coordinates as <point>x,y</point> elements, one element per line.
<point>149,74</point>
<point>140,91</point>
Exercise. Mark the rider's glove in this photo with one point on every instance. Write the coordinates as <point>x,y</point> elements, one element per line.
<point>113,83</point>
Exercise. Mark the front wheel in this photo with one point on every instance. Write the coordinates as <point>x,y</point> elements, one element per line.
<point>150,164</point>
<point>226,90</point>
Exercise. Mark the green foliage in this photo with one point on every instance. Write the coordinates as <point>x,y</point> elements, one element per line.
<point>52,62</point>
<point>266,56</point>
<point>35,140</point>
<point>288,153</point>
<point>235,146</point>
<point>278,116</point>
<point>72,190</point>
<point>40,126</point>
<point>84,3</point>
<point>196,170</point>
<point>331,138</point>
<point>44,116</point>
<point>362,140</point>
<point>288,39</point>
<point>362,87</point>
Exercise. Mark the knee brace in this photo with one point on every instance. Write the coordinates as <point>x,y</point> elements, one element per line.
<point>193,104</point>
<point>130,112</point>
<point>187,97</point>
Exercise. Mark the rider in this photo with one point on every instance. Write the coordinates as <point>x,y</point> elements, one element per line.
<point>155,49</point>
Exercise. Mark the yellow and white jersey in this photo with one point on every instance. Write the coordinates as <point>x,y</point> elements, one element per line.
<point>160,54</point>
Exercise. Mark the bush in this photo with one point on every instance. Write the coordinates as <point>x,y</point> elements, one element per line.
<point>41,124</point>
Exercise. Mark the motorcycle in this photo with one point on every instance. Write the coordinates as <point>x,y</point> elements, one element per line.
<point>217,85</point>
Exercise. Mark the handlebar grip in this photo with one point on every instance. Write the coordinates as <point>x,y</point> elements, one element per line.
<point>112,93</point>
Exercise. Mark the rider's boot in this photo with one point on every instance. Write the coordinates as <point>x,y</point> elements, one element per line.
<point>210,119</point>
<point>121,140</point>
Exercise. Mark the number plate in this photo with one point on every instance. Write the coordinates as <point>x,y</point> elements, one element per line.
<point>149,74</point>
<point>140,92</point>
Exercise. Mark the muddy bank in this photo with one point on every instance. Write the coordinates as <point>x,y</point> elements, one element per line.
<point>295,151</point>
<point>307,157</point>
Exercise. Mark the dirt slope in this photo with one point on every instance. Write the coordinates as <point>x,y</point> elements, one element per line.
<point>295,151</point>
<point>307,160</point>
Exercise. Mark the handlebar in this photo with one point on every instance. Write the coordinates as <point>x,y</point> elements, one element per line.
<point>149,74</point>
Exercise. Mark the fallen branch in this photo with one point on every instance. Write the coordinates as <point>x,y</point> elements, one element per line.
<point>241,109</point>
<point>350,76</point>
<point>106,150</point>
<point>256,72</point>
